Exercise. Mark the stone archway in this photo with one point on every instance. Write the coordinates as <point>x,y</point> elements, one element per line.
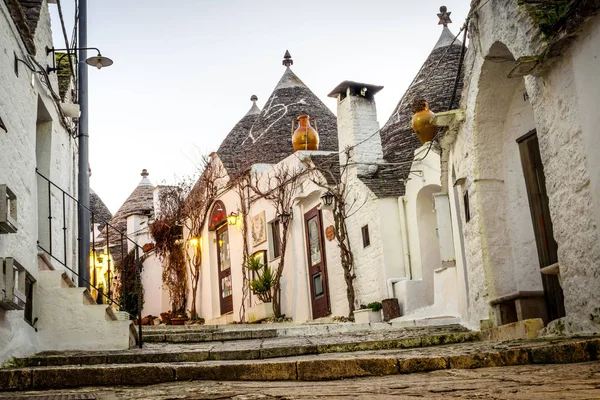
<point>499,194</point>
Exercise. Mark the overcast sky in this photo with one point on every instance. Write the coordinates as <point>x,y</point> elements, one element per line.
<point>184,70</point>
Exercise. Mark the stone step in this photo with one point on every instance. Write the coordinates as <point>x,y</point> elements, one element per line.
<point>309,367</point>
<point>255,349</point>
<point>208,333</point>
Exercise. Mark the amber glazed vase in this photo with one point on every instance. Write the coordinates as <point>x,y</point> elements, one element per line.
<point>422,124</point>
<point>305,137</point>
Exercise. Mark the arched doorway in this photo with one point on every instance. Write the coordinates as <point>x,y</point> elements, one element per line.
<point>508,190</point>
<point>218,224</point>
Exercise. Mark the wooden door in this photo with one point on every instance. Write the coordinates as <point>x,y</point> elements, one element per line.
<point>533,171</point>
<point>317,267</point>
<point>224,265</point>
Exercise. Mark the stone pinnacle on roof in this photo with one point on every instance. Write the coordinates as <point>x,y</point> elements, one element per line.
<point>254,109</point>
<point>444,16</point>
<point>287,59</point>
<point>145,181</point>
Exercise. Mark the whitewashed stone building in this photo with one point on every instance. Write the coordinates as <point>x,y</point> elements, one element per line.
<point>40,309</point>
<point>392,227</point>
<point>523,163</point>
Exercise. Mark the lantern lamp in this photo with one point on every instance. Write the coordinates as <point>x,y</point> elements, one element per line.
<point>285,217</point>
<point>232,218</point>
<point>328,198</point>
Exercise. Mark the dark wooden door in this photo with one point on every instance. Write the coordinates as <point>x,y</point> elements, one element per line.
<point>225,286</point>
<point>533,171</point>
<point>317,266</point>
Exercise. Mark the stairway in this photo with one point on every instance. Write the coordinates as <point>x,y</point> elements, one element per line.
<point>287,353</point>
<point>68,318</point>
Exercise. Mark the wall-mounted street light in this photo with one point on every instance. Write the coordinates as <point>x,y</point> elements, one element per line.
<point>285,217</point>
<point>328,198</point>
<point>97,61</point>
<point>232,218</point>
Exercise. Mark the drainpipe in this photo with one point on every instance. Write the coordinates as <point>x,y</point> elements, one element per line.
<point>390,286</point>
<point>404,233</point>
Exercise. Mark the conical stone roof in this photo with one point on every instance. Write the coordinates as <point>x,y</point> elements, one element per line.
<point>232,144</point>
<point>269,140</point>
<point>139,202</point>
<point>101,213</point>
<point>434,82</point>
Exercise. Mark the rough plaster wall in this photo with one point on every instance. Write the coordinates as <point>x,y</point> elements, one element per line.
<point>519,121</point>
<point>563,152</point>
<point>557,118</point>
<point>586,64</point>
<point>369,261</point>
<point>357,120</point>
<point>462,284</point>
<point>19,104</point>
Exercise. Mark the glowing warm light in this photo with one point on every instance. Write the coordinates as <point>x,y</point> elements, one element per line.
<point>232,219</point>
<point>194,242</point>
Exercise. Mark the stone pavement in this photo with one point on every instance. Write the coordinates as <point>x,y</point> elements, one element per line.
<point>531,382</point>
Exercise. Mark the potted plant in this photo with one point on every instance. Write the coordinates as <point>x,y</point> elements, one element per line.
<point>261,286</point>
<point>369,313</point>
<point>179,319</point>
<point>166,317</point>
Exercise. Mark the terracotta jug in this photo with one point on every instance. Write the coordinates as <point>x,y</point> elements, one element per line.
<point>422,121</point>
<point>305,137</point>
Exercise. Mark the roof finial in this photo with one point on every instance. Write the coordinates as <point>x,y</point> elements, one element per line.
<point>444,16</point>
<point>144,173</point>
<point>287,59</point>
<point>254,98</point>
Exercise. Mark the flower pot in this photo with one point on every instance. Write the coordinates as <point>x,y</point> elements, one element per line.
<point>178,320</point>
<point>165,317</point>
<point>366,316</point>
<point>260,312</point>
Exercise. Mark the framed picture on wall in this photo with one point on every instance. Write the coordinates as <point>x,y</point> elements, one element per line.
<point>259,229</point>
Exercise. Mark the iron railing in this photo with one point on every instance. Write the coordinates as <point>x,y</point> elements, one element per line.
<point>59,197</point>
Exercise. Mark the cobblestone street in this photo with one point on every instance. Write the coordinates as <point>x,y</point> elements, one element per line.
<point>544,382</point>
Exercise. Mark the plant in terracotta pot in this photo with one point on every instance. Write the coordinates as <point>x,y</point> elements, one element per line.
<point>179,319</point>
<point>166,317</point>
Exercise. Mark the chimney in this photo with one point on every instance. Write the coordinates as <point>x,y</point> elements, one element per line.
<point>357,125</point>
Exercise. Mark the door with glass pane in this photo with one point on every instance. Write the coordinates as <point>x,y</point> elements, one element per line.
<point>317,268</point>
<point>225,287</point>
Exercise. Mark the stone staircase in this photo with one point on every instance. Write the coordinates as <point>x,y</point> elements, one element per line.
<point>285,352</point>
<point>70,319</point>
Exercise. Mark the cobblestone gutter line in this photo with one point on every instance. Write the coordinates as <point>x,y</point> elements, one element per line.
<point>307,368</point>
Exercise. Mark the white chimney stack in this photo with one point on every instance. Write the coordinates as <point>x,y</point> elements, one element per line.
<point>358,127</point>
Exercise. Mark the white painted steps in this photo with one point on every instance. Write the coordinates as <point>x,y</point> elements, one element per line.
<point>68,318</point>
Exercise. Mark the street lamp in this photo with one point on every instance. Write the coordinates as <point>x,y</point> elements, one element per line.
<point>232,218</point>
<point>285,217</point>
<point>97,61</point>
<point>327,198</point>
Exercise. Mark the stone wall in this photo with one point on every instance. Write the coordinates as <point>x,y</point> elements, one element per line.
<point>563,113</point>
<point>23,102</point>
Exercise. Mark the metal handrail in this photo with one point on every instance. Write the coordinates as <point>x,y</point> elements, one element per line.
<point>123,236</point>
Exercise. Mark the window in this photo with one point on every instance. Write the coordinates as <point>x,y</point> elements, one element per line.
<point>466,204</point>
<point>365,236</point>
<point>275,236</point>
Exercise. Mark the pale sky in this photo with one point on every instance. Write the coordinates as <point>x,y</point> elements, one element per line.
<point>184,70</point>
